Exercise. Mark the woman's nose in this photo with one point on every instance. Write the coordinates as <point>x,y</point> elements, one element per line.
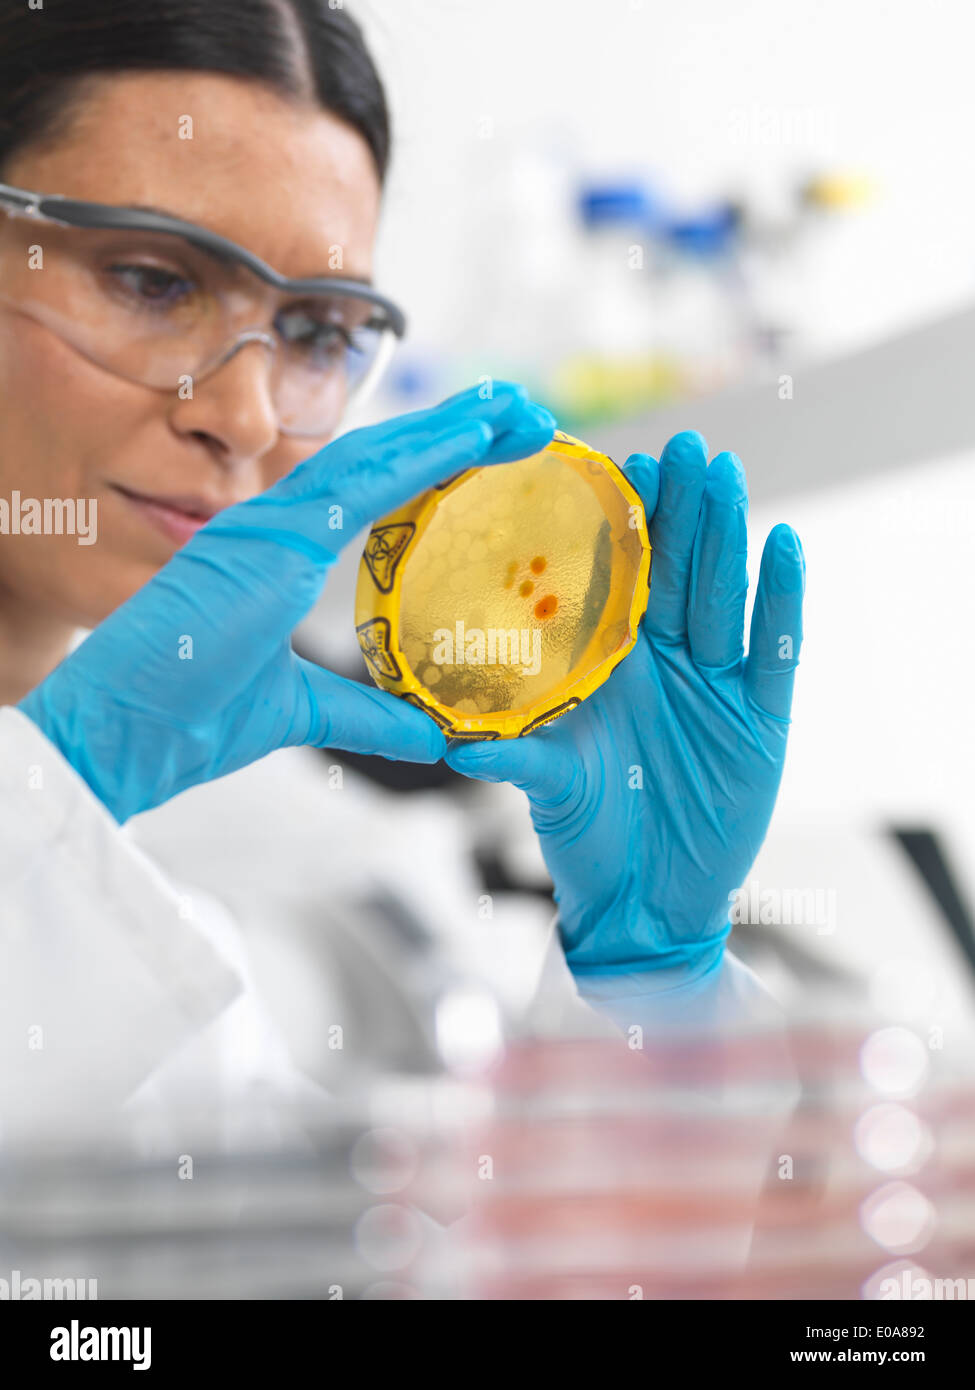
<point>233,406</point>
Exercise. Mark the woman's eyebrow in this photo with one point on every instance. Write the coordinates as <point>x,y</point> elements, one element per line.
<point>323,275</point>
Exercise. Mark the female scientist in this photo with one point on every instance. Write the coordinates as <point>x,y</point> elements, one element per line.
<point>178,343</point>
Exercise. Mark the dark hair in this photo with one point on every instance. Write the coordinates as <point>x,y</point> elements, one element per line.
<point>302,49</point>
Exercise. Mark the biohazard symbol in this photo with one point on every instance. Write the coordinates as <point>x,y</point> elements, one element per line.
<point>374,640</point>
<point>384,550</point>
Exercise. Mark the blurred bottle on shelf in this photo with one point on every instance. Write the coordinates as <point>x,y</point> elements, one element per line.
<point>606,298</point>
<point>616,361</point>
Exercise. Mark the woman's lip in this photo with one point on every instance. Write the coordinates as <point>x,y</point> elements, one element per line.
<point>173,516</point>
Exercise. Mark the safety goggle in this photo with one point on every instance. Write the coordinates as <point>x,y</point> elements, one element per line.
<point>165,303</point>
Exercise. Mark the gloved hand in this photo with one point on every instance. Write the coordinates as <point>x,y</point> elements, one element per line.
<point>194,675</point>
<point>652,798</point>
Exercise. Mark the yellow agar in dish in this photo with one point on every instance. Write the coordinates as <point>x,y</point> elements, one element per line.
<point>504,597</point>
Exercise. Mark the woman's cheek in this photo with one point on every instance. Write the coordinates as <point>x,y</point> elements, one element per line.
<point>286,456</point>
<point>61,418</point>
<point>56,411</point>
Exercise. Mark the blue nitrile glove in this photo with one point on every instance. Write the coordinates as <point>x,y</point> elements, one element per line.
<point>142,716</point>
<point>652,798</point>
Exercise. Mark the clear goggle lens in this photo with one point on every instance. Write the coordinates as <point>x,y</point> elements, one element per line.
<point>155,309</point>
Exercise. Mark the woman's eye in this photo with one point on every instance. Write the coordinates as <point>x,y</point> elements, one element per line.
<point>151,284</point>
<point>318,338</point>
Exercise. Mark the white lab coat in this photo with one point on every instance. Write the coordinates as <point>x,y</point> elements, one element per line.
<point>127,988</point>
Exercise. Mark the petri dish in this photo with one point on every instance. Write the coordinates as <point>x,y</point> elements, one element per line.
<point>502,598</point>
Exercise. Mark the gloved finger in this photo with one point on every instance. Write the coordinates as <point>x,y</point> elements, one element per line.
<point>719,573</point>
<point>495,399</point>
<point>683,465</point>
<point>373,488</point>
<point>362,719</point>
<point>365,486</point>
<point>643,471</point>
<point>776,631</point>
<point>527,436</point>
<point>379,484</point>
<point>541,767</point>
<point>368,479</point>
<point>329,472</point>
<point>521,427</point>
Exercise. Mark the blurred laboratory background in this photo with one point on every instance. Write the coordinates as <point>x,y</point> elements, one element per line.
<point>757,221</point>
